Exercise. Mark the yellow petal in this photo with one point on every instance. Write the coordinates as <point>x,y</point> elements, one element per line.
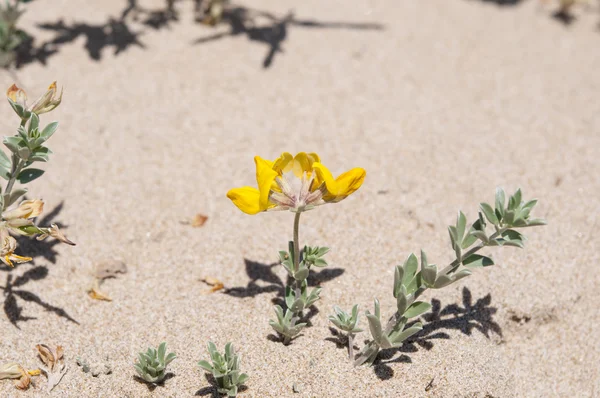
<point>265,177</point>
<point>303,163</point>
<point>97,295</point>
<point>283,164</point>
<point>246,199</point>
<point>17,95</point>
<point>341,187</point>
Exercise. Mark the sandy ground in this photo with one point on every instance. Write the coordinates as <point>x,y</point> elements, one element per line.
<point>446,101</point>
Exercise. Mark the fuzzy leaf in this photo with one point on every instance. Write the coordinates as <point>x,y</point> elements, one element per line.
<point>417,308</point>
<point>477,260</point>
<point>489,213</point>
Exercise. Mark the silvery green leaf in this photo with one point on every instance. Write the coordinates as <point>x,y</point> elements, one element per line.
<point>5,160</point>
<point>34,122</point>
<point>242,378</point>
<point>23,133</point>
<point>320,262</point>
<point>398,276</point>
<point>481,235</point>
<point>170,358</point>
<point>48,131</point>
<point>313,296</point>
<point>367,354</point>
<point>536,222</point>
<point>417,327</point>
<point>355,313</point>
<point>29,175</point>
<point>19,110</point>
<point>297,306</point>
<point>290,297</point>
<point>461,224</point>
<point>278,327</point>
<point>206,366</point>
<point>410,269</point>
<point>453,237</point>
<point>515,200</point>
<point>489,213</point>
<point>162,350</point>
<point>424,262</point>
<point>509,217</point>
<point>401,303</point>
<point>24,153</point>
<point>429,274</point>
<point>500,199</point>
<point>377,308</point>
<point>322,251</point>
<point>229,354</point>
<point>414,284</point>
<point>336,322</point>
<point>302,273</point>
<point>417,308</point>
<point>212,350</point>
<point>469,239</point>
<point>232,391</point>
<point>5,172</point>
<point>477,260</point>
<point>513,238</point>
<point>14,143</point>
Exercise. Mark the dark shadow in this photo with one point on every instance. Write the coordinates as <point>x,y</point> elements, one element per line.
<point>42,248</point>
<point>469,317</point>
<point>13,311</point>
<point>212,389</point>
<point>155,19</point>
<point>114,33</point>
<point>503,2</point>
<point>564,17</point>
<point>152,386</point>
<point>245,21</point>
<point>264,280</point>
<point>258,272</point>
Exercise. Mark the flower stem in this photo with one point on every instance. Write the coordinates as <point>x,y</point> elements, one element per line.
<point>297,283</point>
<point>351,346</point>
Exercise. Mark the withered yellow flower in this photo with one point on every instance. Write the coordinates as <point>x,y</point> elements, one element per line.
<point>47,102</point>
<point>296,183</point>
<point>13,370</point>
<point>8,245</point>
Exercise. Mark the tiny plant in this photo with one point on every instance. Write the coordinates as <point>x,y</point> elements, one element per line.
<point>225,368</point>
<point>26,147</point>
<point>151,365</point>
<point>298,184</point>
<point>347,323</point>
<point>410,282</point>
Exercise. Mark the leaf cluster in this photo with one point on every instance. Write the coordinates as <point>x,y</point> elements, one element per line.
<point>225,368</point>
<point>286,324</point>
<point>344,321</point>
<point>10,36</point>
<point>151,365</point>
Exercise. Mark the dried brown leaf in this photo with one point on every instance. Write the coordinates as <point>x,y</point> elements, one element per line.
<point>97,295</point>
<point>215,283</point>
<point>199,220</point>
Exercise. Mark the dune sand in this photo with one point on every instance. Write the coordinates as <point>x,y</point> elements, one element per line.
<point>441,103</point>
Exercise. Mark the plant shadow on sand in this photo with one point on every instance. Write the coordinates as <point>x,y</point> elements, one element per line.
<point>469,317</point>
<point>273,30</point>
<point>212,389</point>
<point>264,280</point>
<point>152,386</point>
<point>16,278</point>
<point>117,31</point>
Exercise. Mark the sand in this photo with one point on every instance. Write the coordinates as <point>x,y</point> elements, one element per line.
<point>440,101</point>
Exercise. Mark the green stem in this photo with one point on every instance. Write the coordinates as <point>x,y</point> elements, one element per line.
<point>351,346</point>
<point>297,283</point>
<point>448,270</point>
<point>16,167</point>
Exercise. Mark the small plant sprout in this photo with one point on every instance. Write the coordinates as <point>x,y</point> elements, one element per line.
<point>347,323</point>
<point>10,36</point>
<point>26,148</point>
<point>152,365</point>
<point>295,183</point>
<point>225,369</point>
<point>410,282</point>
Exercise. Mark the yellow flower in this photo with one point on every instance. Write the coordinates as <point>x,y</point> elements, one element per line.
<point>8,245</point>
<point>312,186</point>
<point>47,102</point>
